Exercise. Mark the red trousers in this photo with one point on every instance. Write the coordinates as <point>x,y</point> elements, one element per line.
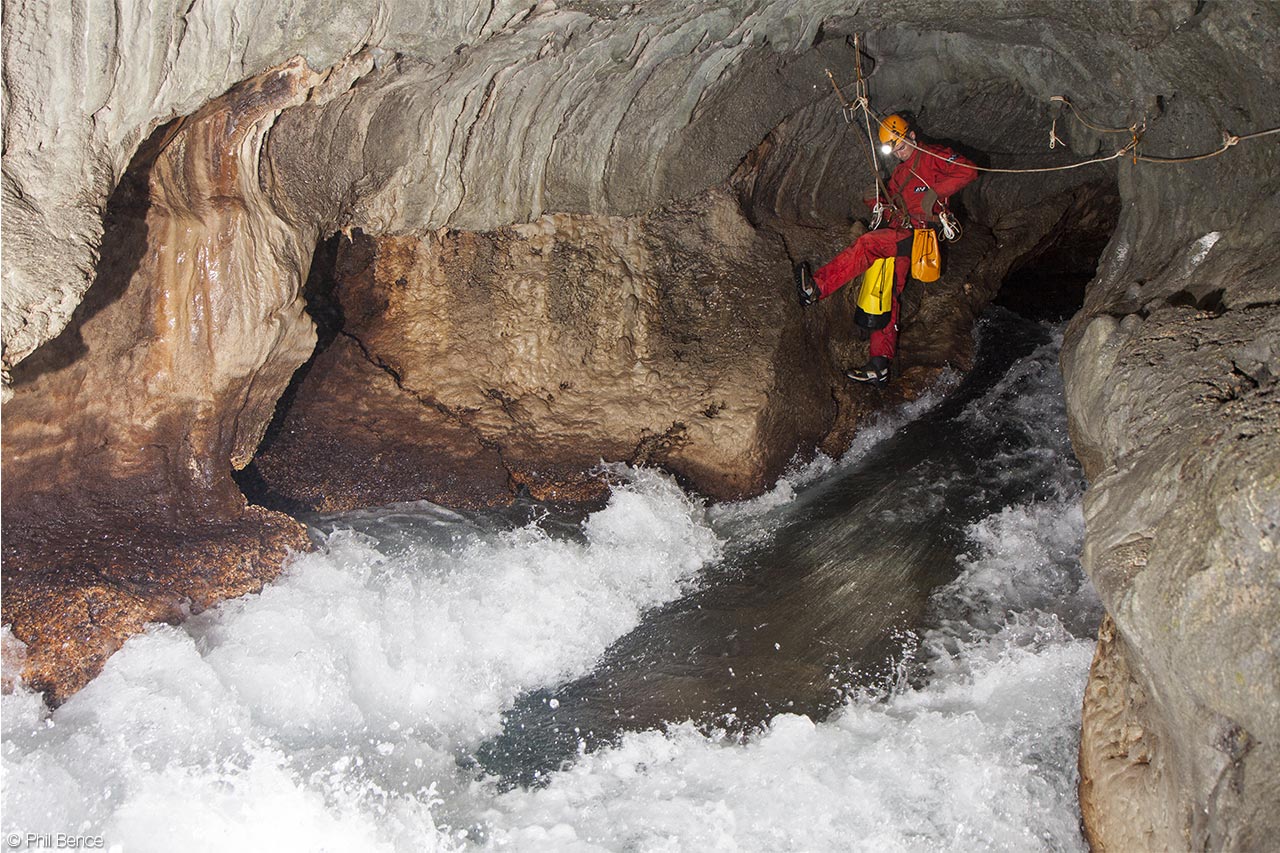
<point>854,261</point>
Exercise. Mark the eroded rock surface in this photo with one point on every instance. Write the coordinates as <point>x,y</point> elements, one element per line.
<point>671,339</point>
<point>607,197</point>
<point>1181,728</point>
<point>354,437</point>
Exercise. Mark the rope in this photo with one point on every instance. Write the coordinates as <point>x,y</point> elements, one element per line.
<point>1132,146</point>
<point>1134,130</point>
<point>1228,141</point>
<point>850,111</point>
<point>861,103</point>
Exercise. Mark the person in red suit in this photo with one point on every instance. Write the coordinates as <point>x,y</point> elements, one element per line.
<point>922,181</point>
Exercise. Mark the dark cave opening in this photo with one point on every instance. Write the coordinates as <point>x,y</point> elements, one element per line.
<point>1048,282</point>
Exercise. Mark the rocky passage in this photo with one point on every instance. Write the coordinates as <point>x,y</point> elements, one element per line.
<point>558,233</point>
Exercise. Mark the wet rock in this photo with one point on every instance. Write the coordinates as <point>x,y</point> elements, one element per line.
<point>471,365</point>
<point>354,438</point>
<point>1177,419</point>
<point>77,586</point>
<point>1124,772</point>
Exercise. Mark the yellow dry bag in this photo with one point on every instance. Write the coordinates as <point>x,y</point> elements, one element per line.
<point>926,262</point>
<point>875,299</point>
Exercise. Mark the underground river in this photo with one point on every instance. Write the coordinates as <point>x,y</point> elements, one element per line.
<point>885,652</point>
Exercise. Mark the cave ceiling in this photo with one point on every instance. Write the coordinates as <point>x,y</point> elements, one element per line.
<point>430,115</point>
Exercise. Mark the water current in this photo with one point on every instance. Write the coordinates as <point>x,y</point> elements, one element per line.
<point>886,652</point>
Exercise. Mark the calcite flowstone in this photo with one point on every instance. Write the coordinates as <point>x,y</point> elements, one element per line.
<point>120,438</point>
<point>1124,758</point>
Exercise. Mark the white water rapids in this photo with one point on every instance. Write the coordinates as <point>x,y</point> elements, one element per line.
<point>340,709</point>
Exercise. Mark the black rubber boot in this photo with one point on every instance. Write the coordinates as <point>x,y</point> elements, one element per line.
<point>806,287</point>
<point>875,371</point>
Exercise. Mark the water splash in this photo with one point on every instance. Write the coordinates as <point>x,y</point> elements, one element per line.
<point>340,708</point>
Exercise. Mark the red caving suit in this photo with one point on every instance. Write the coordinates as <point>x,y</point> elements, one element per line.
<point>944,174</point>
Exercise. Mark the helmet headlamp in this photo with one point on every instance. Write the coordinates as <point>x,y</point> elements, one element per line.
<point>893,130</point>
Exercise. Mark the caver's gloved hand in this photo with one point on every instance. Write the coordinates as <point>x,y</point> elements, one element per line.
<point>930,202</point>
<point>899,207</point>
<point>806,288</point>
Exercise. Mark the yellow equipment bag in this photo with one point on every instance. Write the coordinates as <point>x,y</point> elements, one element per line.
<point>926,260</point>
<point>875,299</point>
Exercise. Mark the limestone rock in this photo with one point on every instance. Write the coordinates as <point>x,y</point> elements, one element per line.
<point>353,438</point>
<point>1175,412</point>
<point>671,339</point>
<point>74,596</point>
<point>1126,790</point>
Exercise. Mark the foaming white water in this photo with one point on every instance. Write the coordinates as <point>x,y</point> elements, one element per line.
<point>978,755</point>
<point>338,709</point>
<point>327,712</point>
<point>975,752</point>
<point>965,764</point>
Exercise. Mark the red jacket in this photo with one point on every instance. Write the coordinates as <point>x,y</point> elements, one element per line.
<point>922,178</point>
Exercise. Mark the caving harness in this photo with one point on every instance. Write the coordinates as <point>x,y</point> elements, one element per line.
<point>926,255</point>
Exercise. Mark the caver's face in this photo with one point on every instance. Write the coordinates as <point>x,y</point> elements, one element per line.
<point>902,149</point>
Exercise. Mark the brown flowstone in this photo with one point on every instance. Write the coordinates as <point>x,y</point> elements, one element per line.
<point>1123,769</point>
<point>122,432</point>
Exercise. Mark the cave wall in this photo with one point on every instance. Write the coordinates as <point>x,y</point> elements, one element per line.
<point>1172,370</point>
<point>587,108</point>
<point>591,107</point>
<point>436,127</point>
<point>567,341</point>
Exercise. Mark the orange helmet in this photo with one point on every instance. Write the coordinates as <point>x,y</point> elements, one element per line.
<point>892,129</point>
